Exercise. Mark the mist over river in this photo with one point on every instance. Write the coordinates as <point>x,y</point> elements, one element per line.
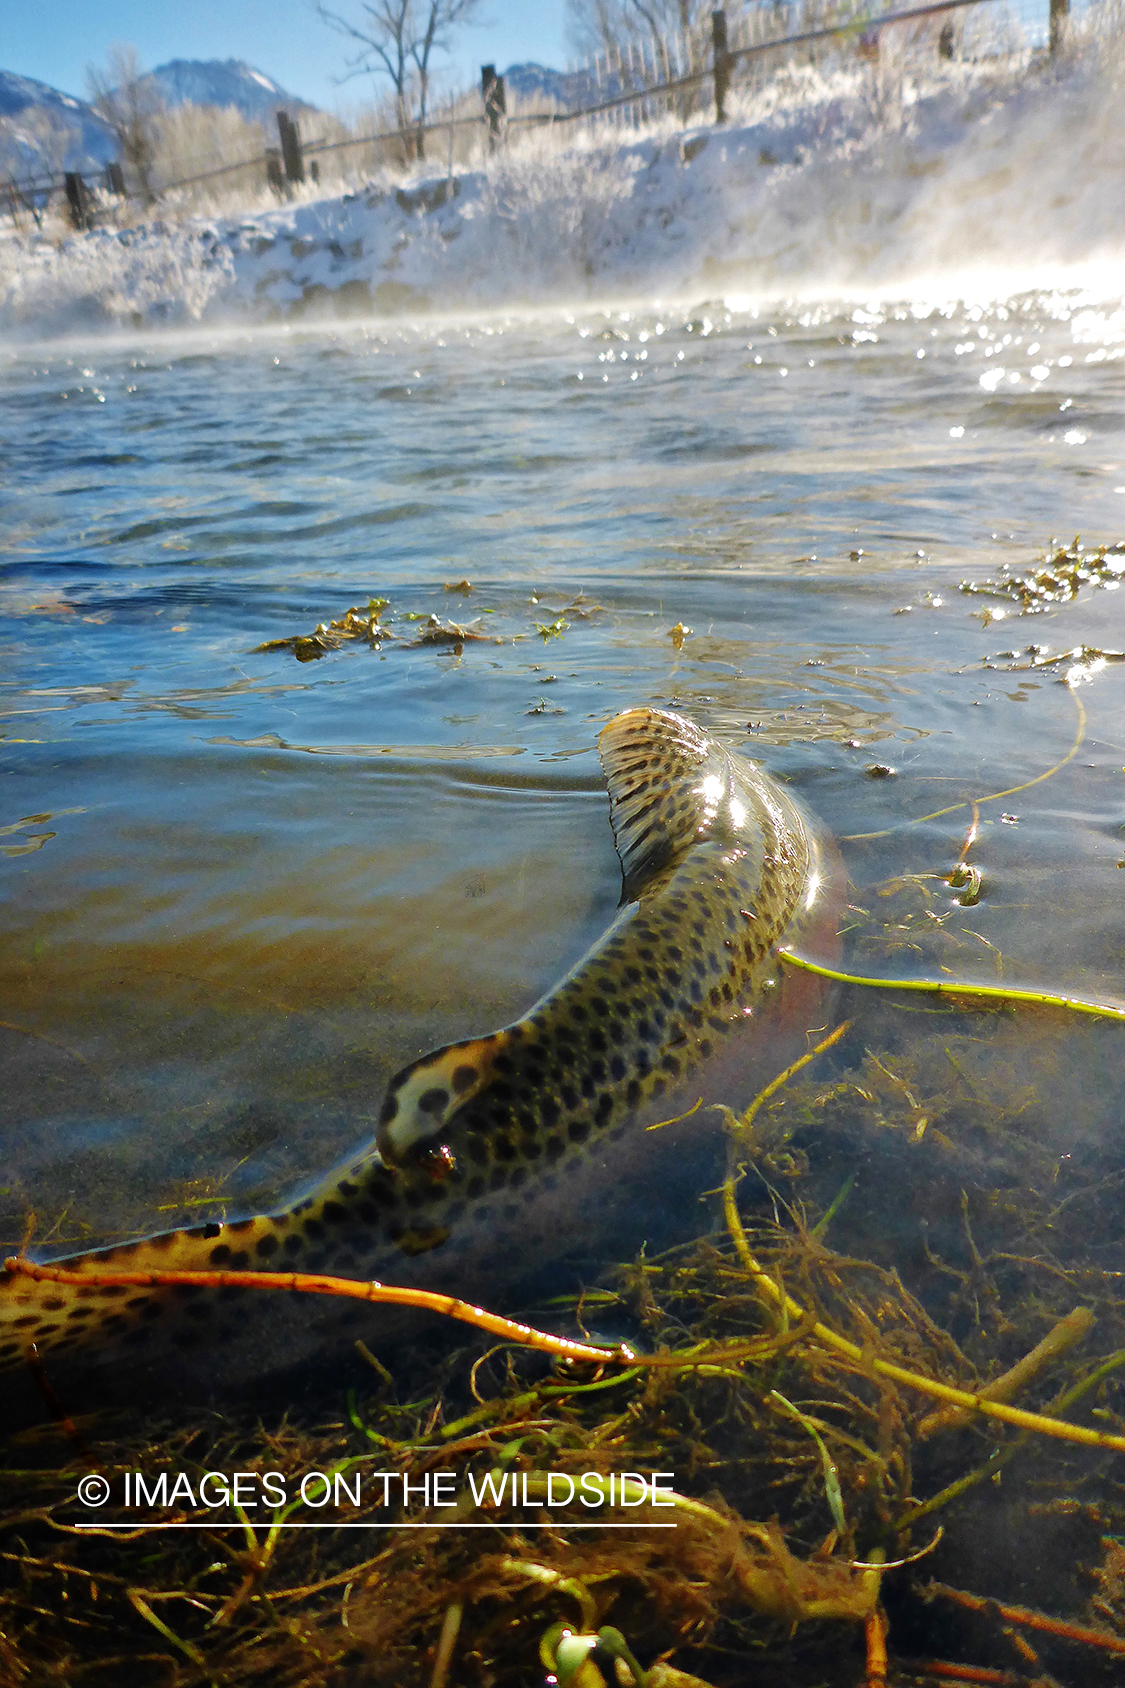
<point>243,889</point>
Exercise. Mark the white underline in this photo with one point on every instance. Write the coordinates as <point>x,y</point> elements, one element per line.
<point>535,1524</point>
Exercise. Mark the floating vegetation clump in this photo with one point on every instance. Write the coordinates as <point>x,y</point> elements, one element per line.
<point>1081,662</point>
<point>362,625</point>
<point>365,624</point>
<point>1058,579</point>
<point>866,1431</point>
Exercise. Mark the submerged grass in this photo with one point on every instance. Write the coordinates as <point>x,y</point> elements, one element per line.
<point>905,1215</point>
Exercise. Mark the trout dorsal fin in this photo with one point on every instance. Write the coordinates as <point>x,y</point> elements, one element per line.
<point>655,764</point>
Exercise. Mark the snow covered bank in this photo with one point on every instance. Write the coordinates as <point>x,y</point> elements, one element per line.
<point>824,186</point>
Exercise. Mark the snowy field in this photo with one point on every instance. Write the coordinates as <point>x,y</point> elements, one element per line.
<point>863,180</point>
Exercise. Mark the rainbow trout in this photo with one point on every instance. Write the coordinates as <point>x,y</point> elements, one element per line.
<point>496,1153</point>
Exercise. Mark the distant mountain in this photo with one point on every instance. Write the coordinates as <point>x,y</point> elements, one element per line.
<point>43,131</point>
<point>535,84</point>
<point>28,108</point>
<point>225,82</point>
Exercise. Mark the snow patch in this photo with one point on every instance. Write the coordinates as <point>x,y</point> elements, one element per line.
<point>825,187</point>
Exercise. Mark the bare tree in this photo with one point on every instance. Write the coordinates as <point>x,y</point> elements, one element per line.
<point>398,39</point>
<point>608,25</point>
<point>132,105</point>
<point>33,149</point>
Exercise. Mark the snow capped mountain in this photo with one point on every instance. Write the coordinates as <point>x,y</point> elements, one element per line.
<point>225,82</point>
<point>533,84</point>
<point>43,130</point>
<point>26,107</point>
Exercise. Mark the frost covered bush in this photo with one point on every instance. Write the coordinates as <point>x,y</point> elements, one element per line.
<point>105,279</point>
<point>557,211</point>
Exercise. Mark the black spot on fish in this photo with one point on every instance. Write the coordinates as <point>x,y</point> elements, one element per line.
<point>553,1148</point>
<point>633,1094</point>
<point>433,1101</point>
<point>211,1230</point>
<point>670,1065</point>
<point>476,1187</point>
<point>478,1150</point>
<point>569,1097</point>
<point>293,1243</point>
<point>588,1086</point>
<point>390,1109</point>
<point>617,1067</point>
<point>220,1256</point>
<point>266,1246</point>
<point>314,1229</point>
<point>604,1107</point>
<point>343,1188</point>
<point>334,1213</point>
<point>550,1111</point>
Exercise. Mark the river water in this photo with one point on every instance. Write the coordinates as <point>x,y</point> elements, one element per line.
<point>242,889</point>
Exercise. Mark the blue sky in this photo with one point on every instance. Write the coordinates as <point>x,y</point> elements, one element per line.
<point>54,40</point>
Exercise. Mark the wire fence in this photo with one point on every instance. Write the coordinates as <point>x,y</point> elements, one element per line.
<point>631,84</point>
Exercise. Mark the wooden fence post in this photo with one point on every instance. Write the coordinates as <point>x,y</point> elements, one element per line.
<point>115,179</point>
<point>1060,10</point>
<point>78,200</point>
<point>274,177</point>
<point>720,52</point>
<point>290,138</point>
<point>495,104</point>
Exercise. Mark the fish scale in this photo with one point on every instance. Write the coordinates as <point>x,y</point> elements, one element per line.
<point>479,1143</point>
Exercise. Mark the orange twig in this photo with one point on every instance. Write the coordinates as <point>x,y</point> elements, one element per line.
<point>875,1635</point>
<point>313,1284</point>
<point>1031,1620</point>
<point>965,1673</point>
<point>971,835</point>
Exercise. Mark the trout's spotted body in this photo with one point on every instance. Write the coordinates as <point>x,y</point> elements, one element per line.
<point>719,867</point>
